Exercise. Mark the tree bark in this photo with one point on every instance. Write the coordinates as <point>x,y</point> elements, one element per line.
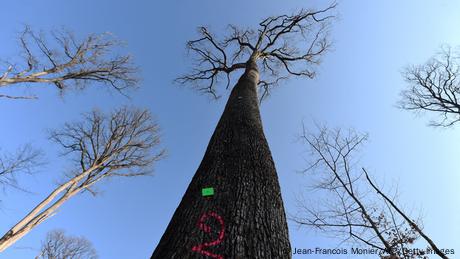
<point>42,211</point>
<point>245,217</point>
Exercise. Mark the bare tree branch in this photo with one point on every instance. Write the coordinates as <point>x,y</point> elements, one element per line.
<point>286,45</point>
<point>123,143</point>
<point>24,160</point>
<point>349,209</point>
<point>68,63</point>
<point>59,246</point>
<point>411,222</point>
<point>435,87</point>
<point>17,97</point>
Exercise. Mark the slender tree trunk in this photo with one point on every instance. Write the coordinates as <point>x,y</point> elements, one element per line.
<point>406,218</point>
<point>245,217</point>
<point>42,211</point>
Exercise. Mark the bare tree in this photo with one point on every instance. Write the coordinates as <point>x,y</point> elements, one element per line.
<point>435,87</point>
<point>354,207</point>
<point>122,144</point>
<point>59,246</point>
<point>245,218</point>
<point>67,63</point>
<point>24,160</point>
<point>285,45</point>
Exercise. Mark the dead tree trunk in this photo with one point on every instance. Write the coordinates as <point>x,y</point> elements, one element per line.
<point>245,217</point>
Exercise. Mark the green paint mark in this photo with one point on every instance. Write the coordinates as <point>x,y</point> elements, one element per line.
<point>207,191</point>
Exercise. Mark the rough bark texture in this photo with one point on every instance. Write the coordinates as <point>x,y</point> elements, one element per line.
<point>245,217</point>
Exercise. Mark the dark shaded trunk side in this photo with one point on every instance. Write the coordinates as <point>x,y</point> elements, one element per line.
<point>245,218</point>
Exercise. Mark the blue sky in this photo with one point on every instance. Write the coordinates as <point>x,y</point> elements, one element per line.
<point>357,86</point>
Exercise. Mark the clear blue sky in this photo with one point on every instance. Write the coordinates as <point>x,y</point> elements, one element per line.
<point>357,86</point>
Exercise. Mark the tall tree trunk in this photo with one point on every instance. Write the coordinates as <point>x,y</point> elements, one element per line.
<point>245,217</point>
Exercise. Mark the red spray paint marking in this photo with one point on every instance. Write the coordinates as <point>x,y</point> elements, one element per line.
<point>207,229</point>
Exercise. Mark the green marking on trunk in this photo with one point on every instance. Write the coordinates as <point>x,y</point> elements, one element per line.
<point>209,191</point>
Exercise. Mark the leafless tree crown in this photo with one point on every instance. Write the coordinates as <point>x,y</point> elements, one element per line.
<point>435,87</point>
<point>59,246</point>
<point>354,207</point>
<point>285,45</point>
<point>124,143</point>
<point>67,62</point>
<point>24,160</point>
